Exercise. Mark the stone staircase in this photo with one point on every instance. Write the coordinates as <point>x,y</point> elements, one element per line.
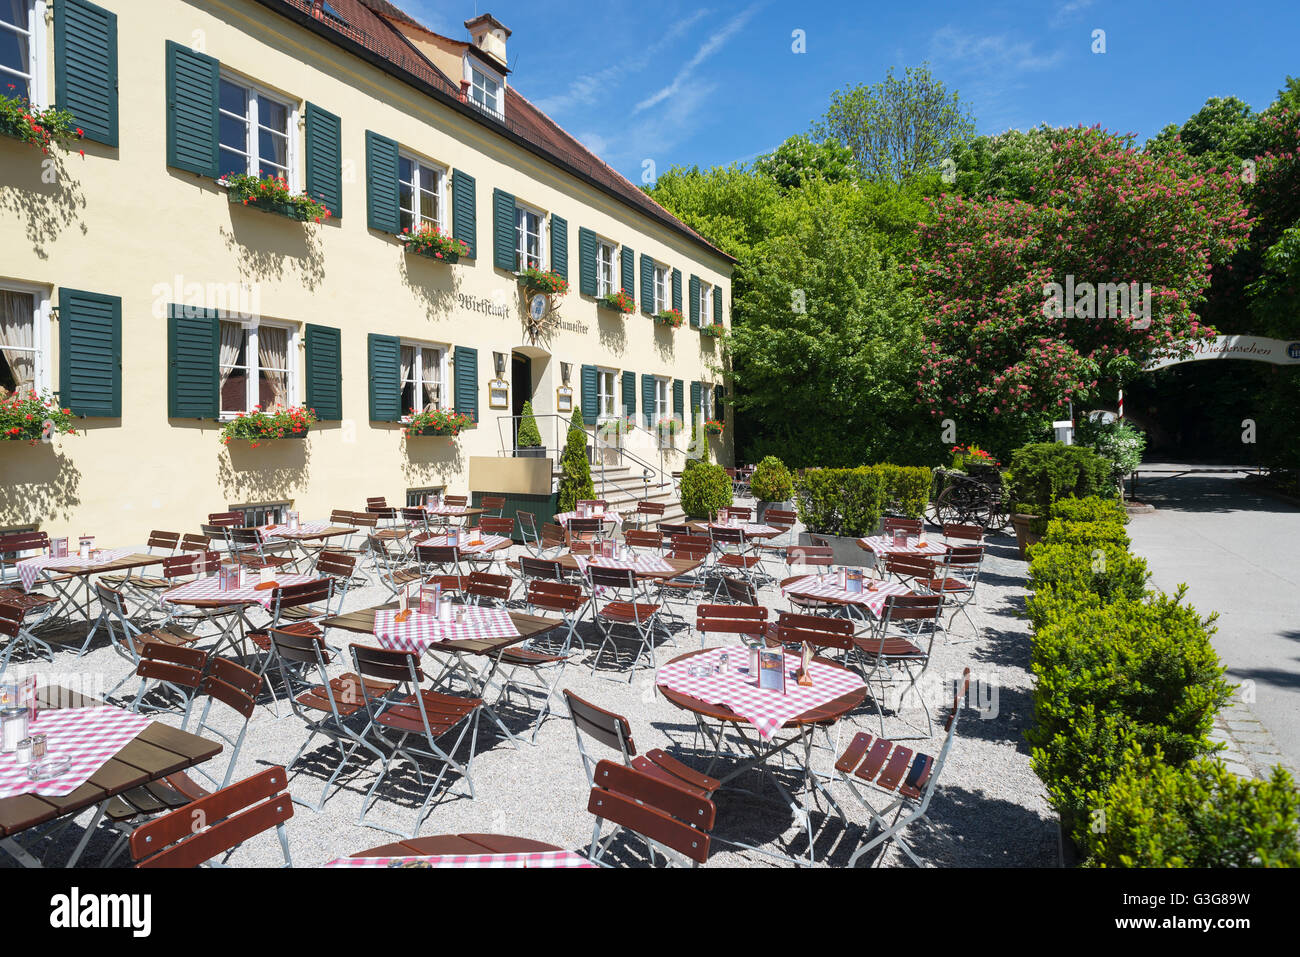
<point>622,487</point>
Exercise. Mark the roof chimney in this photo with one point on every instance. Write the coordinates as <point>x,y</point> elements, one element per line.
<point>489,35</point>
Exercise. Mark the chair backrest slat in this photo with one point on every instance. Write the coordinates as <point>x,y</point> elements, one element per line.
<point>669,815</point>
<point>600,724</point>
<point>816,630</point>
<point>385,664</point>
<point>733,619</point>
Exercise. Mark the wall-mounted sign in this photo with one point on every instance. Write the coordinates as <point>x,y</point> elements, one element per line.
<point>1280,352</point>
<point>564,399</point>
<point>498,394</point>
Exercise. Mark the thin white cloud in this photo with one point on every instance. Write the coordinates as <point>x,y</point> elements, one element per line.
<point>1066,11</point>
<point>706,50</point>
<point>989,54</point>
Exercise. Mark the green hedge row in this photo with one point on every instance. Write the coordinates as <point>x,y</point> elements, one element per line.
<point>1127,689</point>
<point>850,501</point>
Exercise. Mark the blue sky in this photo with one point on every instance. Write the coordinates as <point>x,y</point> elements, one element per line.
<point>691,84</point>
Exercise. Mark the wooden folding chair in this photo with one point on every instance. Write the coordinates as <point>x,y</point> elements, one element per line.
<point>546,594</point>
<point>112,608</point>
<point>676,592</point>
<point>178,668</point>
<point>160,543</point>
<point>12,547</point>
<point>804,560</point>
<point>492,505</point>
<point>216,824</point>
<point>957,576</point>
<point>898,648</point>
<point>620,599</point>
<point>954,531</point>
<point>583,533</point>
<point>883,767</point>
<point>391,567</point>
<point>893,523</point>
<point>13,626</point>
<point>671,820</point>
<point>643,541</point>
<point>492,591</point>
<point>528,531</point>
<point>747,621</point>
<point>648,513</point>
<point>739,591</point>
<point>416,520</point>
<point>732,554</point>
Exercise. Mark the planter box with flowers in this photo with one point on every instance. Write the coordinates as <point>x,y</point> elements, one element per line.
<point>431,242</point>
<point>272,195</point>
<point>39,127</point>
<point>714,427</point>
<point>669,317</point>
<point>712,331</point>
<point>617,302</point>
<point>261,426</point>
<point>545,282</point>
<point>436,422</point>
<point>666,429</point>
<point>32,417</point>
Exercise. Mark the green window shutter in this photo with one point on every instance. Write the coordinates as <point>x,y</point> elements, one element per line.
<point>648,400</point>
<point>695,398</point>
<point>629,394</point>
<point>90,353</point>
<point>717,305</point>
<point>503,230</point>
<point>464,224</point>
<point>560,246</point>
<point>385,378</point>
<point>192,83</point>
<point>324,143</point>
<point>381,186</point>
<point>679,398</point>
<point>647,285</point>
<point>695,301</point>
<point>193,348</point>
<point>677,289</point>
<point>85,67</point>
<point>627,264</point>
<point>590,398</point>
<point>467,382</point>
<point>586,262</point>
<point>324,372</point>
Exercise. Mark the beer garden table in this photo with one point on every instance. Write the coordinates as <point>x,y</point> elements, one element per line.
<point>466,850</point>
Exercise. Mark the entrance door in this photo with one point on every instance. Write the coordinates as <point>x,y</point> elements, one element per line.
<point>521,387</point>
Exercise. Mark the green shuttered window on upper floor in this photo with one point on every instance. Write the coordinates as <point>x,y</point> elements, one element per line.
<point>324,372</point>
<point>385,357</point>
<point>382,198</point>
<point>324,157</point>
<point>627,265</point>
<point>503,230</point>
<point>694,289</point>
<point>629,394</point>
<point>717,305</point>
<point>586,262</point>
<point>560,246</point>
<point>85,67</point>
<point>466,373</point>
<point>90,353</point>
<point>193,80</point>
<point>193,351</point>
<point>464,217</point>
<point>647,285</point>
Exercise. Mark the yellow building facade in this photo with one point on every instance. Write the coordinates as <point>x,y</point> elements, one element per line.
<point>159,308</point>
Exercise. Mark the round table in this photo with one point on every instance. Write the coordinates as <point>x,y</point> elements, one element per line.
<point>703,528</point>
<point>458,844</point>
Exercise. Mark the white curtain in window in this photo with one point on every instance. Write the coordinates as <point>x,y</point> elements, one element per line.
<point>17,335</point>
<point>273,358</point>
<point>232,340</point>
<point>432,368</point>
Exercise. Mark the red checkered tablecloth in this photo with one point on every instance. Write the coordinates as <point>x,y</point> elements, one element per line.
<point>446,510</point>
<point>609,516</point>
<point>537,859</point>
<point>209,589</point>
<point>882,545</point>
<point>304,530</point>
<point>749,528</point>
<point>638,563</point>
<point>873,599</point>
<point>29,569</point>
<point>418,632</point>
<point>488,542</point>
<point>765,709</point>
<point>89,736</point>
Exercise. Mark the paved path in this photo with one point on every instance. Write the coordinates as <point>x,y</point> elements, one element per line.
<point>1236,549</point>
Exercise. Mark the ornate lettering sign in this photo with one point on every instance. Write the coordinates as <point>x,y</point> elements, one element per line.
<point>1277,351</point>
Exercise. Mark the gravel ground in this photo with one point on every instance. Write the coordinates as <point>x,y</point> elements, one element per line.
<point>989,810</point>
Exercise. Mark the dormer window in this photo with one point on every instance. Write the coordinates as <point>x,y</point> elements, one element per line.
<point>485,91</point>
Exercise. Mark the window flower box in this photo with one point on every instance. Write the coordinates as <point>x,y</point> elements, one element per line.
<point>272,195</point>
<point>619,302</point>
<point>433,423</point>
<point>432,243</point>
<point>666,430</point>
<point>32,418</point>
<point>41,128</point>
<point>260,426</point>
<point>714,427</point>
<point>543,281</point>
<point>669,317</point>
<point>714,331</point>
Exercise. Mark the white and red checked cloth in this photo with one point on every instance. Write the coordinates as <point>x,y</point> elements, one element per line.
<point>874,599</point>
<point>89,736</point>
<point>446,509</point>
<point>609,516</point>
<point>209,589</point>
<point>536,859</point>
<point>418,632</point>
<point>652,564</point>
<point>29,569</point>
<point>304,530</point>
<point>489,542</point>
<point>765,709</point>
<point>883,544</point>
<point>749,528</point>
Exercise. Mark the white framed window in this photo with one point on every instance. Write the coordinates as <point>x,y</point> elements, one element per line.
<point>663,399</point>
<point>706,304</point>
<point>258,366</point>
<point>424,377</point>
<point>485,90</point>
<point>422,192</point>
<point>530,238</point>
<point>606,284</point>
<point>268,513</point>
<point>22,51</point>
<point>256,132</point>
<point>418,496</point>
<point>706,401</point>
<point>25,364</point>
<point>605,401</point>
<point>663,289</point>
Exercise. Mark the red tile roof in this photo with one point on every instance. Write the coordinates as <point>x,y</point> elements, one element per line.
<point>365,31</point>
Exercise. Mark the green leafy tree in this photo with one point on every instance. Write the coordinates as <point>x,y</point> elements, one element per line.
<point>529,437</point>
<point>801,159</point>
<point>575,470</point>
<point>1221,135</point>
<point>898,128</point>
<point>1010,165</point>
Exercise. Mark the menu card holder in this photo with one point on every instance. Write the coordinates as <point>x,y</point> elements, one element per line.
<point>900,538</point>
<point>58,548</point>
<point>771,670</point>
<point>228,579</point>
<point>853,580</point>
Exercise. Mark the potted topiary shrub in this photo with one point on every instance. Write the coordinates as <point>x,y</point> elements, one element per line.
<point>705,488</point>
<point>528,443</point>
<point>771,485</point>
<point>575,478</point>
<point>839,506</point>
<point>1042,472</point>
